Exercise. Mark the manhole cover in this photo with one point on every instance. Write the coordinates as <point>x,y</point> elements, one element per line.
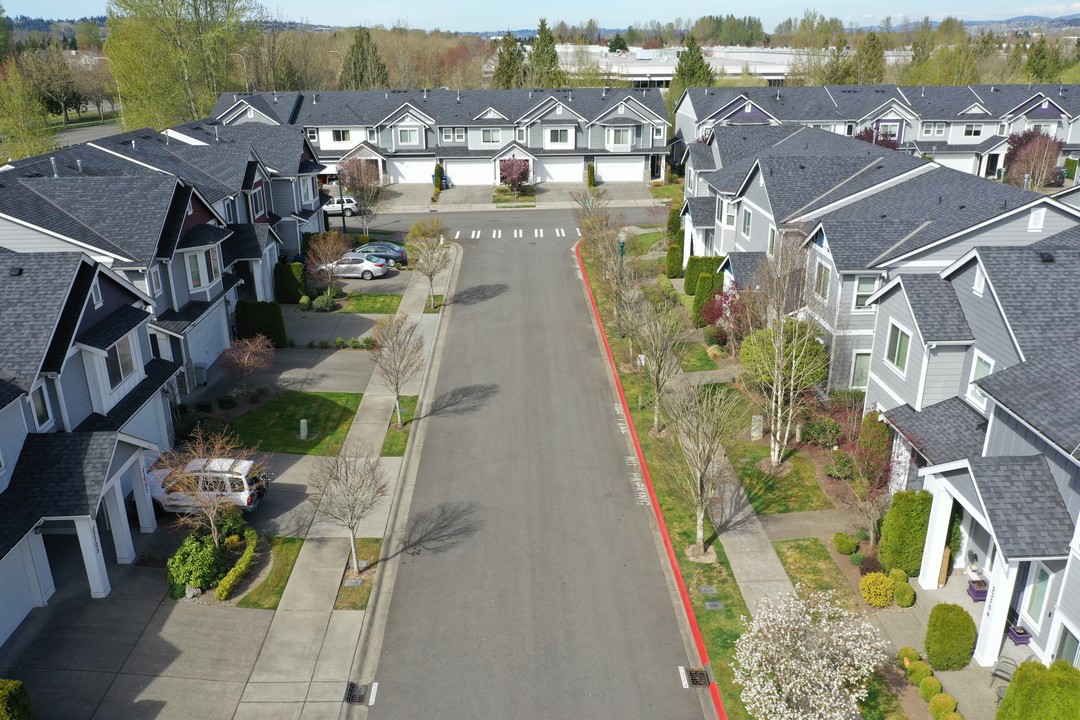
<point>698,678</point>
<point>714,605</point>
<point>356,694</point>
<point>707,589</point>
<point>353,582</point>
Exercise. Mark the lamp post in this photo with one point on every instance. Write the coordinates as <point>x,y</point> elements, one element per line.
<point>618,294</point>
<point>247,88</point>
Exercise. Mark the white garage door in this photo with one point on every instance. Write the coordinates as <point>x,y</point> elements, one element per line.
<point>560,170</point>
<point>620,169</point>
<point>410,171</point>
<point>470,172</point>
<point>210,337</point>
<point>15,597</point>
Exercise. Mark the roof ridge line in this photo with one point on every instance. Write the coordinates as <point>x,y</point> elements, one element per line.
<point>899,242</point>
<point>843,182</point>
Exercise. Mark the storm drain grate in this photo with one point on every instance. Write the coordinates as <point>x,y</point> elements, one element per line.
<point>698,678</point>
<point>356,694</point>
<point>714,605</point>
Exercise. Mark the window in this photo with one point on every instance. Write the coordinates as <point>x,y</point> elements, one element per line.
<point>408,136</point>
<point>620,136</point>
<point>448,134</point>
<point>849,129</point>
<point>373,135</point>
<point>490,135</point>
<point>940,128</point>
<point>40,404</point>
<point>980,281</point>
<point>1045,128</point>
<point>313,134</point>
<point>1036,599</point>
<point>729,217</point>
<point>889,129</point>
<point>897,351</point>
<point>155,281</point>
<point>307,189</point>
<point>194,271</point>
<point>230,212</point>
<point>747,221</point>
<point>1068,648</point>
<point>927,129</point>
<point>822,277</point>
<point>558,136</point>
<point>981,366</point>
<point>658,133</point>
<point>95,294</point>
<point>522,134</point>
<point>119,362</point>
<point>972,130</point>
<point>865,285</point>
<point>860,370</point>
<point>459,134</point>
<point>257,204</point>
<point>1001,129</point>
<point>341,136</point>
<point>203,268</point>
<point>772,240</point>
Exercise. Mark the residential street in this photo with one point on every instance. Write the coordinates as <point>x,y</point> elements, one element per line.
<point>532,586</point>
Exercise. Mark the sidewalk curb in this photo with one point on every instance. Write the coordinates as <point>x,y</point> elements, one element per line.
<point>365,663</point>
<point>672,559</point>
<point>490,207</point>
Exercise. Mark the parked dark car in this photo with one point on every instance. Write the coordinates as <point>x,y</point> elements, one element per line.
<point>392,253</point>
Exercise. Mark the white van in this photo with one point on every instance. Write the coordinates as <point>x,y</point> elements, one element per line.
<point>241,480</point>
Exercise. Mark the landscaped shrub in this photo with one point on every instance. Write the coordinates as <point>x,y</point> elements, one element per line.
<point>368,343</point>
<point>876,589</point>
<point>1037,691</point>
<point>950,637</point>
<point>15,701</point>
<point>231,521</point>
<point>590,175</point>
<point>667,288</point>
<point>842,465</point>
<point>340,343</point>
<point>904,594</point>
<point>845,544</point>
<point>674,266</point>
<point>240,569</point>
<point>233,543</point>
<point>261,318</point>
<point>941,705</point>
<point>856,558</point>
<point>871,564</point>
<point>324,303</point>
<point>305,303</point>
<point>715,336</point>
<point>674,220</point>
<point>917,670</point>
<point>703,294</point>
<point>323,344</point>
<point>210,424</point>
<point>438,176</point>
<point>903,532</point>
<point>226,402</point>
<point>354,343</point>
<point>197,562</point>
<point>898,576</point>
<point>290,282</point>
<point>822,431</point>
<point>693,271</point>
<point>952,716</point>
<point>929,687</point>
<point>908,652</point>
<point>862,535</point>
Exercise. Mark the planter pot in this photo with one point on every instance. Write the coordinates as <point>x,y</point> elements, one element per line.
<point>1019,635</point>
<point>977,590</point>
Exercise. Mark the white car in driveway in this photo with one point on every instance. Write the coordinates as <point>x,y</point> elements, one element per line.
<point>346,206</point>
<point>359,265</point>
<point>242,482</point>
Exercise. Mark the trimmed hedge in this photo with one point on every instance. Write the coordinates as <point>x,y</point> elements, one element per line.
<point>261,318</point>
<point>845,544</point>
<point>15,701</point>
<point>674,219</point>
<point>918,670</point>
<point>904,594</point>
<point>929,687</point>
<point>674,266</point>
<point>707,284</point>
<point>876,589</point>
<point>590,175</point>
<point>950,637</point>
<point>240,569</point>
<point>324,303</point>
<point>952,716</point>
<point>942,704</point>
<point>696,265</point>
<point>197,562</point>
<point>305,303</point>
<point>903,532</point>
<point>668,289</point>
<point>290,282</point>
<point>907,652</point>
<point>1046,693</point>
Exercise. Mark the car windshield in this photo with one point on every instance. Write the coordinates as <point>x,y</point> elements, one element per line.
<point>374,258</point>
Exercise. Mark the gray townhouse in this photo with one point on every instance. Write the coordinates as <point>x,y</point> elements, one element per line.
<point>84,406</point>
<point>973,368</point>
<point>622,133</point>
<point>962,127</point>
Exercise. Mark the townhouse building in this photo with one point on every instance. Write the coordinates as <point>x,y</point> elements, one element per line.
<point>622,133</point>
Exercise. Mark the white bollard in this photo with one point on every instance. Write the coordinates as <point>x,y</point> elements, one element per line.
<point>303,429</point>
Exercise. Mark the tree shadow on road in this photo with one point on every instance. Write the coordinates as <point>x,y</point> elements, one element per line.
<point>477,294</point>
<point>461,400</point>
<point>439,529</point>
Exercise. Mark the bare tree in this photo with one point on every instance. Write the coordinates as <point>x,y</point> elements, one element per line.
<point>248,356</point>
<point>184,477</point>
<point>398,353</point>
<point>361,178</point>
<point>346,487</point>
<point>704,420</point>
<point>1035,161</point>
<point>323,252</point>
<point>430,255</point>
<point>658,332</point>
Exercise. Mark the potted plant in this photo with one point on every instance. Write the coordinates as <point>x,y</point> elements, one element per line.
<point>977,590</point>
<point>1019,635</point>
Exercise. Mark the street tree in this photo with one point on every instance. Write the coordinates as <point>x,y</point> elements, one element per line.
<point>247,356</point>
<point>362,68</point>
<point>431,255</point>
<point>346,487</point>
<point>658,332</point>
<point>398,354</point>
<point>509,64</point>
<point>543,68</point>
<point>204,508</point>
<point>361,178</point>
<point>704,421</point>
<point>514,172</point>
<point>804,656</point>
<point>323,252</point>
<point>871,135</point>
<point>1031,159</point>
<point>24,122</point>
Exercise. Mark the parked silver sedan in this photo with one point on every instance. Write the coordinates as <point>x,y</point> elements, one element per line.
<point>360,265</point>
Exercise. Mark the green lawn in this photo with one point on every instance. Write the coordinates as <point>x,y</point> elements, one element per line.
<point>807,561</point>
<point>795,491</point>
<point>371,304</point>
<point>694,358</point>
<point>640,244</point>
<point>397,437</point>
<point>502,196</point>
<point>267,595</point>
<point>881,702</point>
<point>428,310</point>
<point>275,426</point>
<point>352,597</point>
<point>667,192</point>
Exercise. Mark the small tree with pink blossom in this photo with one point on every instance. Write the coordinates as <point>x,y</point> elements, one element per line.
<point>514,173</point>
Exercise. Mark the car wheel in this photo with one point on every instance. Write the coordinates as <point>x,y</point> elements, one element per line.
<point>367,275</point>
<point>390,262</point>
<point>348,212</point>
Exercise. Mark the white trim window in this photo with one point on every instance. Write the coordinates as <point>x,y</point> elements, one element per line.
<point>448,134</point>
<point>619,137</point>
<point>973,130</point>
<point>822,279</point>
<point>459,134</point>
<point>860,369</point>
<point>230,211</point>
<point>39,404</point>
<point>203,268</point>
<point>341,135</point>
<point>896,351</point>
<point>747,221</point>
<point>491,136</point>
<point>979,286</point>
<point>1068,647</point>
<point>95,294</point>
<point>889,130</point>
<point>933,128</point>
<point>658,132</point>
<point>981,366</point>
<point>307,189</point>
<point>258,204</point>
<point>408,136</point>
<point>729,214</point>
<point>1036,219</point>
<point>119,361</point>
<point>558,136</point>
<point>865,285</point>
<point>1002,129</point>
<point>155,281</point>
<point>771,248</point>
<point>313,134</point>
<point>373,135</point>
<point>522,135</point>
<point>1036,597</point>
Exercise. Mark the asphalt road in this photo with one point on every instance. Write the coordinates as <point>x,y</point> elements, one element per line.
<point>530,585</point>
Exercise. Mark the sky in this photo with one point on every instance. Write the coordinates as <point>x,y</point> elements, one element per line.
<point>486,15</point>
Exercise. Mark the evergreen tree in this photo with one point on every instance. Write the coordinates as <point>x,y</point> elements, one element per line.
<point>24,124</point>
<point>363,69</point>
<point>869,60</point>
<point>617,43</point>
<point>5,33</point>
<point>692,70</point>
<point>543,69</point>
<point>510,66</point>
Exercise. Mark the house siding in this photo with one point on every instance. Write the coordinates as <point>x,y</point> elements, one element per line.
<point>12,435</point>
<point>944,373</point>
<point>76,388</point>
<point>841,358</point>
<point>282,196</point>
<point>19,238</point>
<point>894,307</point>
<point>596,138</point>
<point>1040,636</point>
<point>1068,602</point>
<point>987,326</point>
<point>112,299</point>
<point>475,137</point>
<point>178,277</point>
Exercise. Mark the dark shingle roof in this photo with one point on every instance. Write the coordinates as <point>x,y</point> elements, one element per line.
<point>700,157</point>
<point>178,321</point>
<point>936,308</point>
<point>1043,394</point>
<point>247,242</point>
<point>943,432</point>
<point>203,235</point>
<point>1024,506</point>
<point>115,326</point>
<point>702,211</point>
<point>158,372</point>
<point>745,266</point>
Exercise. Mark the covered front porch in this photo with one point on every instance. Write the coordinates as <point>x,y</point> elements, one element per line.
<point>1015,532</point>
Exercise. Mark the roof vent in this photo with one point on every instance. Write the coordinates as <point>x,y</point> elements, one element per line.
<point>1046,257</point>
<point>55,171</point>
<point>14,271</point>
<point>78,164</point>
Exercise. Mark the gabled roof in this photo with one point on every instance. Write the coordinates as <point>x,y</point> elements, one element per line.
<point>701,210</point>
<point>158,372</point>
<point>119,323</point>
<point>246,243</point>
<point>936,307</point>
<point>700,156</point>
<point>176,322</point>
<point>743,267</point>
<point>943,432</point>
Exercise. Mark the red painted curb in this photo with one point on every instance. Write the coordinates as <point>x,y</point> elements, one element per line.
<point>703,655</point>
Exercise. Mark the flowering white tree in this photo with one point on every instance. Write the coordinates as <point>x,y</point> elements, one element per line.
<point>804,656</point>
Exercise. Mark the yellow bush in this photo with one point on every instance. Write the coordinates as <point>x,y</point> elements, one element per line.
<point>877,589</point>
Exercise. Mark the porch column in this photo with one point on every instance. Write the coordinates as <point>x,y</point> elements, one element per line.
<point>44,588</point>
<point>143,504</point>
<point>118,523</point>
<point>992,623</point>
<point>688,244</point>
<point>937,533</point>
<point>93,559</point>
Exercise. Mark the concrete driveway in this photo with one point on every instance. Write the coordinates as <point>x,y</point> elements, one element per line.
<point>467,195</point>
<point>547,193</point>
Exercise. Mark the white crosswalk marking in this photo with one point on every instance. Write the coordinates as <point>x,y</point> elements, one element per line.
<point>519,233</point>
<point>559,232</point>
<point>539,232</point>
<point>457,234</point>
<point>475,234</point>
<point>495,234</point>
<point>578,231</point>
